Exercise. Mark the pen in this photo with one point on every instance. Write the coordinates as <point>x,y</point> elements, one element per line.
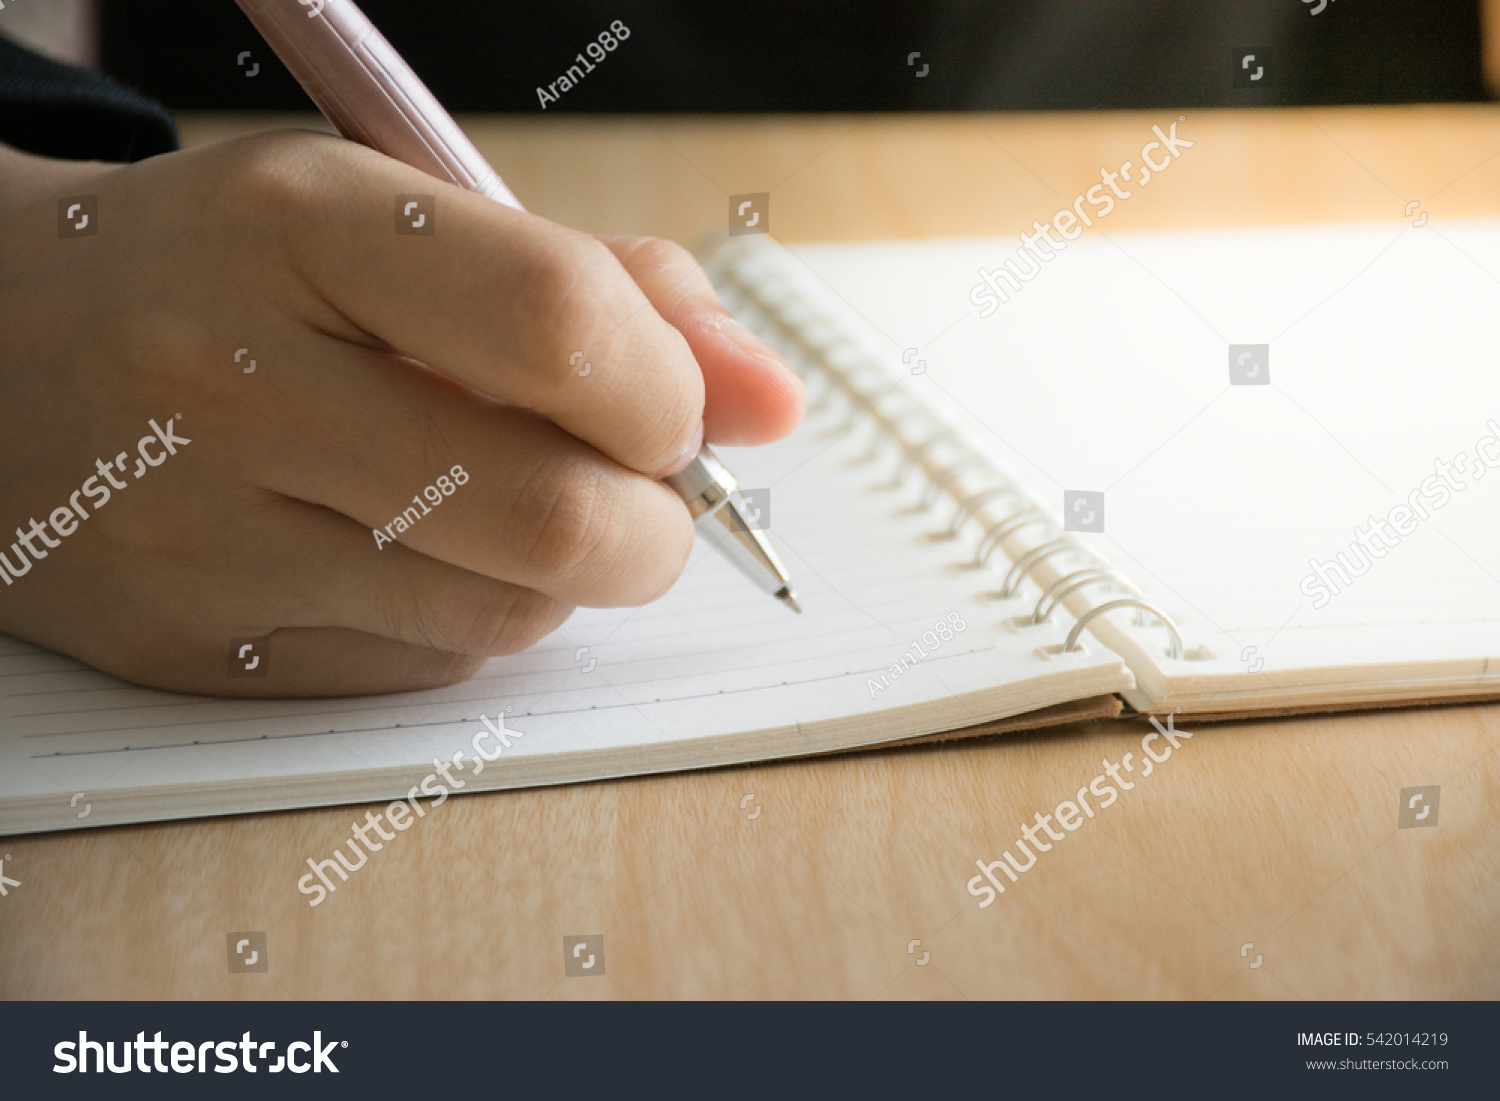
<point>371,95</point>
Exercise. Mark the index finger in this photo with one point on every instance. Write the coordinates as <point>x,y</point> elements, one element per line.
<point>509,304</point>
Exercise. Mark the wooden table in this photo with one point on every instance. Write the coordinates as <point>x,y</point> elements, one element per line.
<point>1264,862</point>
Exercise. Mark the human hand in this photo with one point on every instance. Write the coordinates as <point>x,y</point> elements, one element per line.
<point>382,362</point>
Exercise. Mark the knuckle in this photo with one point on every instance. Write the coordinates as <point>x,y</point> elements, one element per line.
<point>485,618</point>
<point>146,340</point>
<point>567,508</point>
<point>279,172</point>
<point>600,540</point>
<point>656,256</point>
<point>283,188</point>
<point>562,289</point>
<point>444,669</point>
<point>530,617</point>
<point>673,558</point>
<point>158,350</point>
<point>677,413</point>
<point>502,620</point>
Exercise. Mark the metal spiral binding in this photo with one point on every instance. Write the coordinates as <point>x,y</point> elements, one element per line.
<point>998,533</point>
<point>913,455</point>
<point>889,423</point>
<point>1175,653</point>
<point>1070,583</point>
<point>809,330</point>
<point>1030,560</point>
<point>943,481</point>
<point>972,505</point>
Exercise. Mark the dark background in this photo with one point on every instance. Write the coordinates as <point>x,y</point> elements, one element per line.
<point>838,55</point>
<point>752,1051</point>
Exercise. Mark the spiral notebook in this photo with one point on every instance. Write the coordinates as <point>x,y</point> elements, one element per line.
<point>1286,442</point>
<point>926,510</point>
<point>893,646</point>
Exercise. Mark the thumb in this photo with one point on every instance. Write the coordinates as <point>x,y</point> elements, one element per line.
<point>751,396</point>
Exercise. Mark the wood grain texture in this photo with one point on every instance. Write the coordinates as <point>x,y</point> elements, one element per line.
<point>1280,834</point>
<point>843,178</point>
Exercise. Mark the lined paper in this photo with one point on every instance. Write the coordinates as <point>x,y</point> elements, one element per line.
<point>714,672</point>
<point>1109,371</point>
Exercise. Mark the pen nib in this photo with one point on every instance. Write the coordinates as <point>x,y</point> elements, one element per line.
<point>789,598</point>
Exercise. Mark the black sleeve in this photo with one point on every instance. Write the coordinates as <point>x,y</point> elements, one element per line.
<point>57,110</point>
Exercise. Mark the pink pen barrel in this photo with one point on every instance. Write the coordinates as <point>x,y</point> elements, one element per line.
<point>366,90</point>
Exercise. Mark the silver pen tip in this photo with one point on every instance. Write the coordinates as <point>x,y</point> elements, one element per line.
<point>789,598</point>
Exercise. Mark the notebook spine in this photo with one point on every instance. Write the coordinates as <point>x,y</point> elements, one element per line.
<point>778,296</point>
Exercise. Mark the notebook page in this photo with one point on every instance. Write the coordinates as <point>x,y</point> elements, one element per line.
<point>681,683</point>
<point>1109,371</point>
